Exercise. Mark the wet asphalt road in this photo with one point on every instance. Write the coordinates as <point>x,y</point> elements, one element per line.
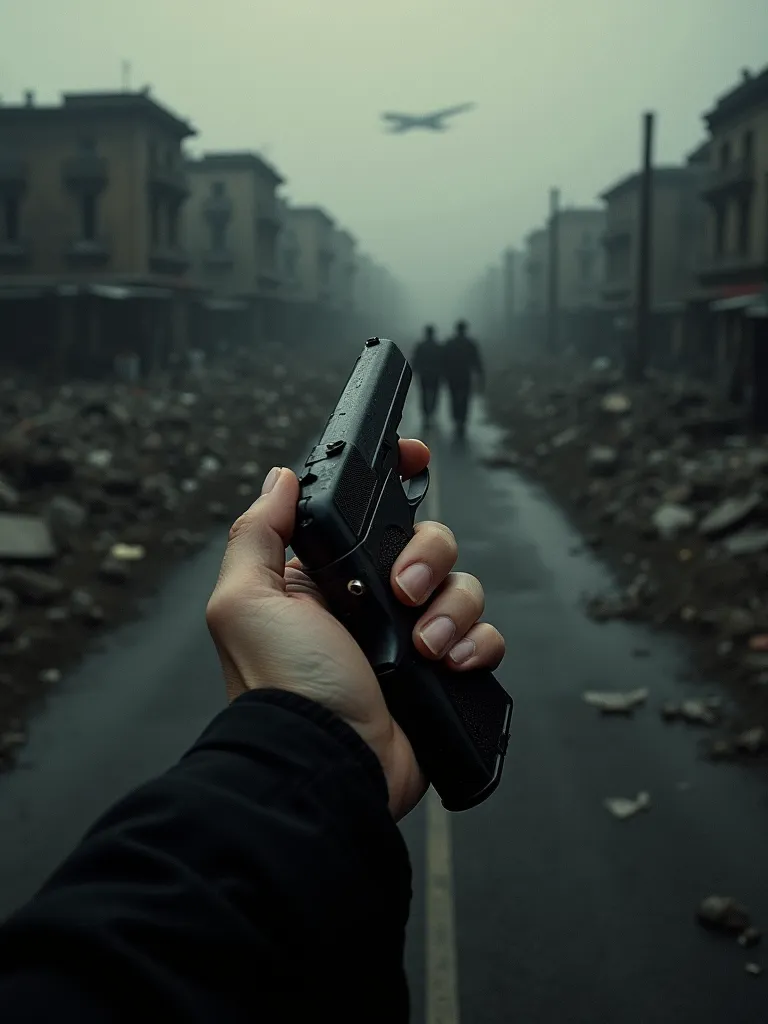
<point>563,915</point>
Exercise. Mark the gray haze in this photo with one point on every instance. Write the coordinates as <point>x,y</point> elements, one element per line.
<point>560,86</point>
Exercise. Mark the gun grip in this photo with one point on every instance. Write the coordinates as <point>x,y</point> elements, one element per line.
<point>457,723</point>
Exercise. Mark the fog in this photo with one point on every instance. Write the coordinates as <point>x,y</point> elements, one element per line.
<point>559,88</point>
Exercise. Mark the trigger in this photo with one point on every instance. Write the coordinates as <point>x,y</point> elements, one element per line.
<point>416,489</point>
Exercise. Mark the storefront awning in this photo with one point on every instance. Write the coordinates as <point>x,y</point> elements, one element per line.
<point>759,309</point>
<point>734,304</point>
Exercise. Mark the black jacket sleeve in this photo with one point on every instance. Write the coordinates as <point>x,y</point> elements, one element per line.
<point>262,878</point>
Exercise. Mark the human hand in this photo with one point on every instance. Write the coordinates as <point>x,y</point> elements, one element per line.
<point>272,629</point>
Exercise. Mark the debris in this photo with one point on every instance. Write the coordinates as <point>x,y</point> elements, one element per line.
<point>748,542</point>
<point>127,552</point>
<point>728,514</point>
<point>670,520</point>
<point>624,807</point>
<point>754,969</point>
<point>50,676</point>
<point>602,460</point>
<point>614,702</point>
<point>9,605</point>
<point>25,538</point>
<point>616,403</point>
<point>750,937</point>
<point>752,741</point>
<point>32,586</point>
<point>724,914</point>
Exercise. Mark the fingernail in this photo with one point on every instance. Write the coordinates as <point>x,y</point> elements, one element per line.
<point>462,652</point>
<point>415,581</point>
<point>438,633</point>
<point>271,480</point>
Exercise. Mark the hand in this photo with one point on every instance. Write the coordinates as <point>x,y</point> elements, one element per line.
<point>273,630</point>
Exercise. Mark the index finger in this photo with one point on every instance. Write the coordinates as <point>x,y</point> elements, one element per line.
<point>414,456</point>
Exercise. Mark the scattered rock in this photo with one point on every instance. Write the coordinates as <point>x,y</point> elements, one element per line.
<point>670,520</point>
<point>624,807</point>
<point>602,460</point>
<point>724,914</point>
<point>750,937</point>
<point>25,538</point>
<point>615,702</point>
<point>32,586</point>
<point>754,969</point>
<point>729,514</point>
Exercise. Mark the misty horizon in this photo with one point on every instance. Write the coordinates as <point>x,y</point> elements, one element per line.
<point>559,96</point>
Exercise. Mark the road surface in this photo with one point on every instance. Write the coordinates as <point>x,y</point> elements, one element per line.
<point>537,907</point>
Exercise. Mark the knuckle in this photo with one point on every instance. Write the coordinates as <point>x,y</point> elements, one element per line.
<point>239,526</point>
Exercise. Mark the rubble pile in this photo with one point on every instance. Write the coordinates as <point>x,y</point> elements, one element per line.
<point>664,478</point>
<point>102,485</point>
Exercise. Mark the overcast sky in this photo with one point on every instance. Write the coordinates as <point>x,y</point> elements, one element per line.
<point>560,87</point>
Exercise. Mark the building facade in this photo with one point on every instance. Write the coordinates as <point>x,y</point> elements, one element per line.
<point>93,263</point>
<point>733,270</point>
<point>233,222</point>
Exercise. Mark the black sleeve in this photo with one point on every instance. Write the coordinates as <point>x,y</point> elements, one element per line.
<point>262,878</point>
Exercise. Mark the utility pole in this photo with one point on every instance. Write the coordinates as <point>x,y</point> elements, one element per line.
<point>637,362</point>
<point>554,267</point>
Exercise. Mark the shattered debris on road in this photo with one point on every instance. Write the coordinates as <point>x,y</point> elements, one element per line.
<point>665,480</point>
<point>616,702</point>
<point>622,807</point>
<point>102,485</point>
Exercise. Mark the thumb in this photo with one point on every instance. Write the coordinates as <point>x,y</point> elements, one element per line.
<point>255,554</point>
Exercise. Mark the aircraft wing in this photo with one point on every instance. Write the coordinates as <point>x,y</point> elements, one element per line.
<point>450,111</point>
<point>402,118</point>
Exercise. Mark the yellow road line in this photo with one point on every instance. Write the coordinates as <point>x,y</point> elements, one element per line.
<point>442,987</point>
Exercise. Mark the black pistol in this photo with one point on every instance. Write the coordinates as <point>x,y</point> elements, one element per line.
<point>354,518</point>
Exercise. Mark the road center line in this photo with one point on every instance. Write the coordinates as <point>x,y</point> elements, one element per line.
<point>442,987</point>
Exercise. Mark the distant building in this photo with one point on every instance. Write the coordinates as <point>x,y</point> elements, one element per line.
<point>675,235</point>
<point>233,222</point>
<point>536,271</point>
<point>733,270</point>
<point>343,271</point>
<point>93,263</point>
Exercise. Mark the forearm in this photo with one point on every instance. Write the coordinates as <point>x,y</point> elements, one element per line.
<point>261,877</point>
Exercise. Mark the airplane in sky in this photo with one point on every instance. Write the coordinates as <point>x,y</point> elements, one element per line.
<point>434,122</point>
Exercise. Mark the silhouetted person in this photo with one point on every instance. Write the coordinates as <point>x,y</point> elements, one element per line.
<point>427,359</point>
<point>463,368</point>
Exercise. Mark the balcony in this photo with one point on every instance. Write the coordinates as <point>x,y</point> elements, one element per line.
<point>13,254</point>
<point>168,260</point>
<point>731,266</point>
<point>736,177</point>
<point>268,217</point>
<point>218,259</point>
<point>217,208</point>
<point>170,179</point>
<point>87,172</point>
<point>87,252</point>
<point>13,174</point>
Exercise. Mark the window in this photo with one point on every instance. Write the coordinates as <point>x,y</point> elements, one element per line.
<point>173,226</point>
<point>725,154</point>
<point>11,218</point>
<point>217,189</point>
<point>218,235</point>
<point>88,217</point>
<point>719,231</point>
<point>87,145</point>
<point>154,221</point>
<point>749,142</point>
<point>744,216</point>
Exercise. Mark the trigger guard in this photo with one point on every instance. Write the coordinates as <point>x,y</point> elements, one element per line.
<point>416,489</point>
